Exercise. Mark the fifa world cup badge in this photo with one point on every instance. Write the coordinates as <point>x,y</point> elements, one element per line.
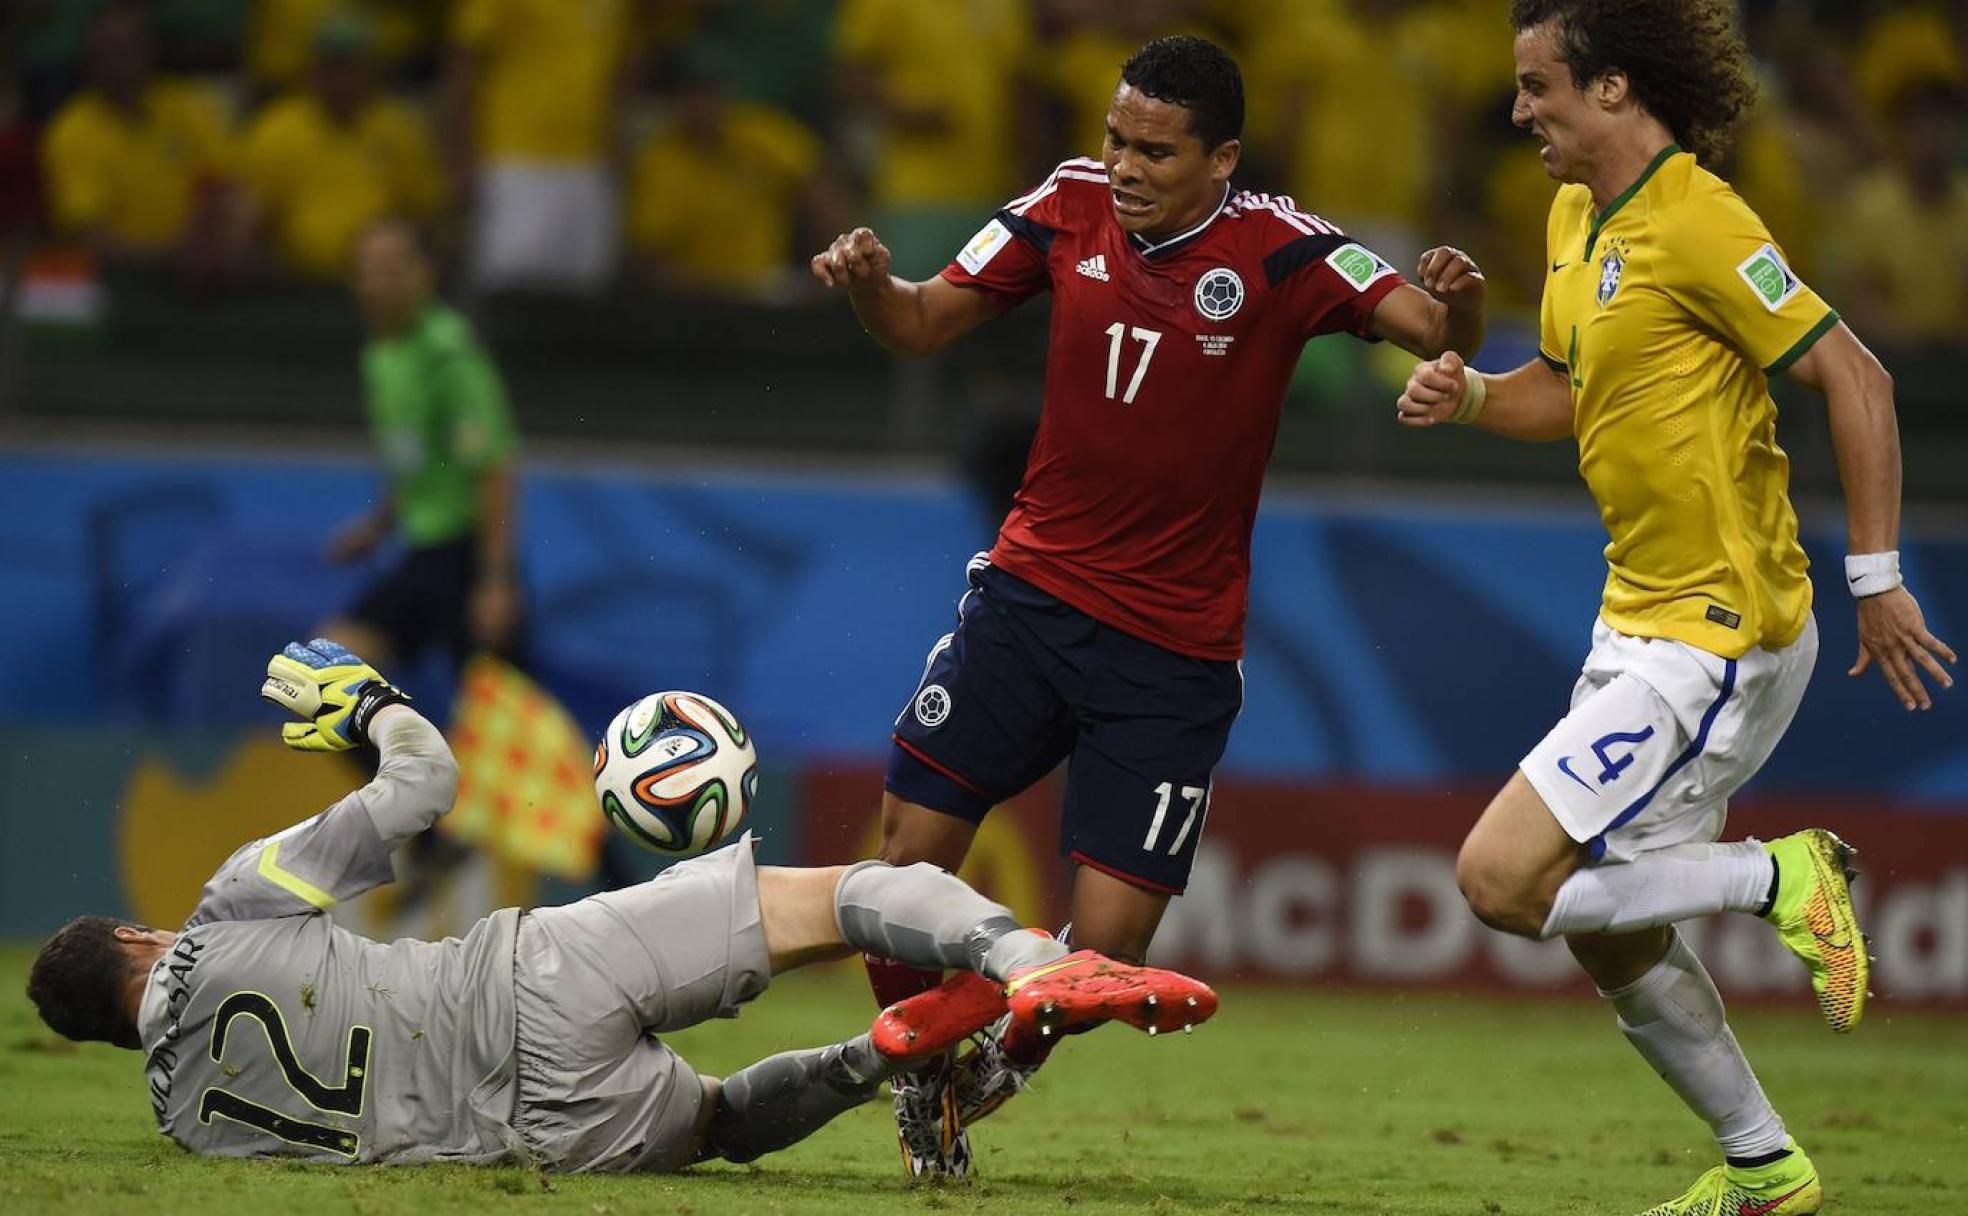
<point>1610,268</point>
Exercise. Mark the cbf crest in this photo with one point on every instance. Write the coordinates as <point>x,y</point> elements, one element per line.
<point>1219,293</point>
<point>1611,267</point>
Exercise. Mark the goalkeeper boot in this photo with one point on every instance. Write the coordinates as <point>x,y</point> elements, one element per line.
<point>1788,1187</point>
<point>1812,910</point>
<point>932,1138</point>
<point>987,1076</point>
<point>1087,987</point>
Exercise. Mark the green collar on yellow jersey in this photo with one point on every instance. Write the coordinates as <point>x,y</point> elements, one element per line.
<point>1599,221</point>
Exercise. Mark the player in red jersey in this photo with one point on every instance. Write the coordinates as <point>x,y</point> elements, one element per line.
<point>1106,623</point>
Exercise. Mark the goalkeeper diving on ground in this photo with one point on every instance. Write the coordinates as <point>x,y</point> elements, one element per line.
<point>268,1031</point>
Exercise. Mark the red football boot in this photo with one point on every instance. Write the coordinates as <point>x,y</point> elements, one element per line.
<point>1087,987</point>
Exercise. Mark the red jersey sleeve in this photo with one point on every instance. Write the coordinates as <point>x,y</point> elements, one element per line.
<point>1007,259</point>
<point>1333,282</point>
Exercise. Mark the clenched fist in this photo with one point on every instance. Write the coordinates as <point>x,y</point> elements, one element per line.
<point>1434,391</point>
<point>855,258</point>
<point>1451,276</point>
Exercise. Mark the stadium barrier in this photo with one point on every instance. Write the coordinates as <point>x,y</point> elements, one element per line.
<point>1402,656</point>
<point>636,366</point>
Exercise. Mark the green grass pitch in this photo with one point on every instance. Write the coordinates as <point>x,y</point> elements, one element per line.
<point>1353,1103</point>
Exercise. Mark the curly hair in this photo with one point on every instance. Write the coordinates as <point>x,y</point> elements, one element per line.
<point>1684,59</point>
<point>78,979</point>
<point>1198,76</point>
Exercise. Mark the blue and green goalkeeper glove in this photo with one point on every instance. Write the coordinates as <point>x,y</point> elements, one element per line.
<point>336,693</point>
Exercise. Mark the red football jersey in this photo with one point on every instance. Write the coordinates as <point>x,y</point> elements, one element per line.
<point>1165,375</point>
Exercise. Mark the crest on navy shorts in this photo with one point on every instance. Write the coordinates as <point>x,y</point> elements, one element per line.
<point>1219,293</point>
<point>1610,268</point>
<point>932,706</point>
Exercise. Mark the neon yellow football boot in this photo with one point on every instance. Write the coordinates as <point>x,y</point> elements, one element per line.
<point>1813,914</point>
<point>1782,1188</point>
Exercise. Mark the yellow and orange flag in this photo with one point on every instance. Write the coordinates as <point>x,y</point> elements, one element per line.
<point>525,785</point>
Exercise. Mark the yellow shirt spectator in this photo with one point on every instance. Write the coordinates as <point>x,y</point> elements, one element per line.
<point>1515,185</point>
<point>134,175</point>
<point>1900,48</point>
<point>1312,84</point>
<point>1765,170</point>
<point>721,214</point>
<point>1668,310</point>
<point>322,181</point>
<point>1910,256</point>
<point>547,75</point>
<point>279,41</point>
<point>959,62</point>
<point>1082,69</point>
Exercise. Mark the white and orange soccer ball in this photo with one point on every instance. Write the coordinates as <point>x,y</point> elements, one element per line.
<point>676,773</point>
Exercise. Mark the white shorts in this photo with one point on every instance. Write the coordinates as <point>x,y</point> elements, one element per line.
<point>1659,735</point>
<point>545,227</point>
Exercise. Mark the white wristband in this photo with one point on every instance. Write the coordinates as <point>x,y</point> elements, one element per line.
<point>1871,573</point>
<point>1473,392</point>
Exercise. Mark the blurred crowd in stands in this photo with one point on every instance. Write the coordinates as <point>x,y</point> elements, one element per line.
<point>710,146</point>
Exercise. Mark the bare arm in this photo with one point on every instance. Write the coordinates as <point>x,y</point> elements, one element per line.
<point>1865,433</point>
<point>495,597</point>
<point>905,317</point>
<point>1533,403</point>
<point>1444,314</point>
<point>495,502</point>
<point>1866,436</point>
<point>359,537</point>
<point>455,122</point>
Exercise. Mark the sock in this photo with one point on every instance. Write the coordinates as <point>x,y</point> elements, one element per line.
<point>1025,1046</point>
<point>785,1098</point>
<point>1022,1042</point>
<point>1662,888</point>
<point>893,981</point>
<point>1673,1016</point>
<point>926,917</point>
<point>1770,895</point>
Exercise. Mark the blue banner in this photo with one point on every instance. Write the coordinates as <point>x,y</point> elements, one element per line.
<point>1390,642</point>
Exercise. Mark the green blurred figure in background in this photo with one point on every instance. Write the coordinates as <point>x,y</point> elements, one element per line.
<point>438,409</point>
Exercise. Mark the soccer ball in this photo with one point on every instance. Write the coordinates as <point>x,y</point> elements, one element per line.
<point>676,773</point>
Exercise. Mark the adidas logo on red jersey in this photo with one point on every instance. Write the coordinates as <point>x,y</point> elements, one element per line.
<point>1094,267</point>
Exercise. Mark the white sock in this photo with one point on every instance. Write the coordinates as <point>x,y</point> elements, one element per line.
<point>1662,888</point>
<point>1673,1015</point>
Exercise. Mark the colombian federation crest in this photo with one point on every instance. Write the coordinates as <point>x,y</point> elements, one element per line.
<point>1610,268</point>
<point>932,706</point>
<point>1219,293</point>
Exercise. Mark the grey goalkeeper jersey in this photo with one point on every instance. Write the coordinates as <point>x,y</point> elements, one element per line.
<point>271,1032</point>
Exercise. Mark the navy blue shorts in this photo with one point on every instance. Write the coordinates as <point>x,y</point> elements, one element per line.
<point>1027,681</point>
<point>423,600</point>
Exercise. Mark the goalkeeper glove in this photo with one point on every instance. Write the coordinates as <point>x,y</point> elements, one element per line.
<point>336,693</point>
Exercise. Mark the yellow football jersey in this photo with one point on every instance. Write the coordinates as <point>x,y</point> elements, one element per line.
<point>547,76</point>
<point>959,61</point>
<point>323,182</point>
<point>1669,310</point>
<point>136,175</point>
<point>735,225</point>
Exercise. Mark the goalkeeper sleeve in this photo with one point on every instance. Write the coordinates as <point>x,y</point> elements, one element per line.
<point>418,779</point>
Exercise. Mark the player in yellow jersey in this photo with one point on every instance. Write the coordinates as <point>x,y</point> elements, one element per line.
<point>1666,308</point>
